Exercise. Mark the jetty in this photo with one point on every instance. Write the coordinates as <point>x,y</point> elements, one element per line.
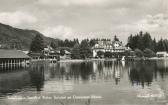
<point>13,58</point>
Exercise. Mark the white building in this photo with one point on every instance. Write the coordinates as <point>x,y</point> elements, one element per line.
<point>109,46</point>
<point>162,54</point>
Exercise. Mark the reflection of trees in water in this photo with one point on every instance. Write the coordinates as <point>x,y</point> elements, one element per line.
<point>86,70</point>
<point>103,70</point>
<point>141,73</point>
<point>162,68</point>
<point>37,76</point>
<point>74,71</point>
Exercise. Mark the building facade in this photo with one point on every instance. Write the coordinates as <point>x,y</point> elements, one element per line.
<point>108,46</point>
<point>162,54</point>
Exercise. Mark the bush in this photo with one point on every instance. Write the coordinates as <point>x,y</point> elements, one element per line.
<point>148,53</point>
<point>107,54</point>
<point>138,53</point>
<point>100,54</point>
<point>62,52</point>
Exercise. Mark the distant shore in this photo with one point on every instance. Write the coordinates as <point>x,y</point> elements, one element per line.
<point>160,58</point>
<point>102,59</point>
<point>84,60</point>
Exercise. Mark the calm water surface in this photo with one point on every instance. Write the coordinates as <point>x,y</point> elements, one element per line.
<point>87,83</point>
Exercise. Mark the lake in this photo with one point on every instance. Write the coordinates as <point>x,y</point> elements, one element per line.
<point>87,83</point>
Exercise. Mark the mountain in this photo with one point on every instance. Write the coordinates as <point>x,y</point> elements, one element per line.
<point>11,37</point>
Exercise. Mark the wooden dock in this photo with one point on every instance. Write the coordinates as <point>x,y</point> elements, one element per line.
<point>13,59</point>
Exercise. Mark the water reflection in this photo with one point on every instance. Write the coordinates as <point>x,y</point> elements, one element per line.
<point>37,76</point>
<point>61,77</point>
<point>141,73</point>
<point>162,68</point>
<point>13,82</point>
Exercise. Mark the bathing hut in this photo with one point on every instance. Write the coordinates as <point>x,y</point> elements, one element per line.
<point>13,58</point>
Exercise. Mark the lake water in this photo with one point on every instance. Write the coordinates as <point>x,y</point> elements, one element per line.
<point>87,83</point>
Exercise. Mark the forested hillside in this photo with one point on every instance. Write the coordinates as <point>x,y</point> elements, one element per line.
<point>11,37</point>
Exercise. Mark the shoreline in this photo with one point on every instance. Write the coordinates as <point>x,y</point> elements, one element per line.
<point>102,59</point>
<point>85,60</point>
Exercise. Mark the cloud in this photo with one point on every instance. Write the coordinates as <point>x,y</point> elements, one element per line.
<point>157,25</point>
<point>72,2</point>
<point>60,31</point>
<point>152,23</point>
<point>17,18</point>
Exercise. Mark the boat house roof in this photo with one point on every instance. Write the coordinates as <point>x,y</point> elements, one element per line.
<point>12,54</point>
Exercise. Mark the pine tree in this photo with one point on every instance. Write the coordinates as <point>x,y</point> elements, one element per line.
<point>53,44</point>
<point>161,46</point>
<point>147,41</point>
<point>154,45</point>
<point>37,44</point>
<point>85,49</point>
<point>115,38</point>
<point>76,51</point>
<point>140,43</point>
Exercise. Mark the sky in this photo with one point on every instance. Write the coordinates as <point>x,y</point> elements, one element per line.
<point>68,19</point>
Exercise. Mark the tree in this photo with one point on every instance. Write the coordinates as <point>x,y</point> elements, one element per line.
<point>53,44</point>
<point>147,41</point>
<point>37,44</point>
<point>138,53</point>
<point>62,52</point>
<point>92,42</point>
<point>76,51</point>
<point>154,45</point>
<point>140,41</point>
<point>85,49</point>
<point>100,54</point>
<point>107,54</point>
<point>129,42</point>
<point>15,44</point>
<point>115,38</point>
<point>148,53</point>
<point>161,45</point>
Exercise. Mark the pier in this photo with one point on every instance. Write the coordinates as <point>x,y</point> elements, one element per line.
<point>13,59</point>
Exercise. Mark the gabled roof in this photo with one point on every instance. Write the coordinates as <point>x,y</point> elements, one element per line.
<point>67,52</point>
<point>12,54</point>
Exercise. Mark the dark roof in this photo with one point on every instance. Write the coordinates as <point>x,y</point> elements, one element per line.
<point>12,54</point>
<point>35,54</point>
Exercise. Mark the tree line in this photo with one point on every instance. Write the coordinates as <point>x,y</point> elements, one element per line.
<point>78,49</point>
<point>142,41</point>
<point>144,45</point>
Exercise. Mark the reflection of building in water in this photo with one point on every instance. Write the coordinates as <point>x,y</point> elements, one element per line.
<point>12,82</point>
<point>88,71</point>
<point>162,63</point>
<point>118,70</point>
<point>108,70</point>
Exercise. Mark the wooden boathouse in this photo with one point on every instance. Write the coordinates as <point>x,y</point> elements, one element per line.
<point>10,58</point>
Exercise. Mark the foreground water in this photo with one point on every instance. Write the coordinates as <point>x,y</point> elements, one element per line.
<point>87,83</point>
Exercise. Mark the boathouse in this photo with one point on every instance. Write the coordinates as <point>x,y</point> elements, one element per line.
<point>13,58</point>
